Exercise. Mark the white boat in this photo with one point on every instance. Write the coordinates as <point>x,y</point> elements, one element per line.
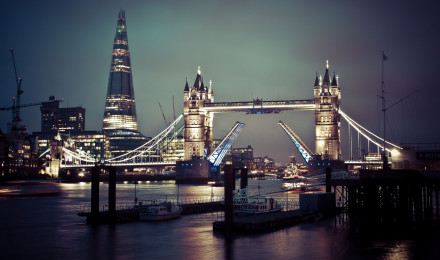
<point>245,205</point>
<point>161,211</point>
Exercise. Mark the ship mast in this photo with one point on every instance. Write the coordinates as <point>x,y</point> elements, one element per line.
<point>384,153</point>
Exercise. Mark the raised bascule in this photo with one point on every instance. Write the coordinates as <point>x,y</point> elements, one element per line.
<point>201,160</point>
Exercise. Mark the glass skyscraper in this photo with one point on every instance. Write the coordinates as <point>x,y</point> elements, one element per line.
<point>120,120</point>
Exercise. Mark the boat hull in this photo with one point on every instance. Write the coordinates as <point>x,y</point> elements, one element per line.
<point>242,213</point>
<point>152,216</point>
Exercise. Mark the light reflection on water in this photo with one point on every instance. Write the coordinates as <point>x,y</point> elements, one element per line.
<point>48,228</point>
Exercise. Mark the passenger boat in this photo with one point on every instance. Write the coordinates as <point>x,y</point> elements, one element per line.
<point>161,211</point>
<point>245,205</point>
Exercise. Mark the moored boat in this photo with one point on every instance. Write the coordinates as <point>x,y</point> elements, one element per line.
<point>161,211</point>
<point>245,205</point>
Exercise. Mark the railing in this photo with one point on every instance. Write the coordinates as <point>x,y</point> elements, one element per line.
<point>86,208</point>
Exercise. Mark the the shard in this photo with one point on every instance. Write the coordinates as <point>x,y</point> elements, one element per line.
<point>120,120</point>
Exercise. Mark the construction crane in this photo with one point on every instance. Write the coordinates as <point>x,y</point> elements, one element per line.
<point>15,107</point>
<point>16,124</point>
<point>161,110</point>
<point>174,111</point>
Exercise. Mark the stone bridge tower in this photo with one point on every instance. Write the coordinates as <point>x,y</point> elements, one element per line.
<point>327,95</point>
<point>198,123</point>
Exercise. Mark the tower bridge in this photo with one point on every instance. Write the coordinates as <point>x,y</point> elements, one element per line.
<point>198,121</point>
<point>130,148</point>
<point>199,109</point>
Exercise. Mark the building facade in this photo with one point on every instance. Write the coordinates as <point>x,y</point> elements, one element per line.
<point>120,121</point>
<point>95,143</point>
<point>55,119</point>
<point>327,95</point>
<point>18,157</point>
<point>174,151</point>
<point>243,157</point>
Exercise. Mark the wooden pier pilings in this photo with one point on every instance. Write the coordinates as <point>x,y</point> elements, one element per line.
<point>392,196</point>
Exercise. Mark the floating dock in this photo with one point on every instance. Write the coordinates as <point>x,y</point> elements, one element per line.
<point>266,222</point>
<point>130,214</point>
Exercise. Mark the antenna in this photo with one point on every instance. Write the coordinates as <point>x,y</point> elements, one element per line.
<point>385,157</point>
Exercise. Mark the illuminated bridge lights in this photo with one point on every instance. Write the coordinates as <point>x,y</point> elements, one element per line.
<point>305,152</point>
<point>217,156</point>
<point>146,154</point>
<point>367,134</point>
<point>259,106</point>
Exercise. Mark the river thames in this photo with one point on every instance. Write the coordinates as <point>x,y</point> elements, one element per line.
<point>49,228</point>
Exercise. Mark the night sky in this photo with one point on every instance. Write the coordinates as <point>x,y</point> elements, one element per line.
<point>249,49</point>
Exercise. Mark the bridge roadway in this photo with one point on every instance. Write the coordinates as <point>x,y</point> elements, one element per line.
<point>260,106</point>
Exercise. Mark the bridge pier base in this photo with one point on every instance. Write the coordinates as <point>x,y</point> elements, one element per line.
<point>95,194</point>
<point>243,178</point>
<point>229,206</point>
<point>193,172</point>
<point>328,176</point>
<point>112,194</point>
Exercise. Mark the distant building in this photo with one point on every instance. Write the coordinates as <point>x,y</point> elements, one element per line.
<point>18,157</point>
<point>55,119</point>
<point>421,157</point>
<point>264,164</point>
<point>120,121</point>
<point>174,150</point>
<point>243,157</point>
<point>95,143</point>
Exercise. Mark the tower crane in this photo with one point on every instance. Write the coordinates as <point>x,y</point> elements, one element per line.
<point>15,106</point>
<point>16,125</point>
<point>161,110</point>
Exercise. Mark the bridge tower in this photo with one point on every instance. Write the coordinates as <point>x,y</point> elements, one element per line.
<point>327,95</point>
<point>198,123</point>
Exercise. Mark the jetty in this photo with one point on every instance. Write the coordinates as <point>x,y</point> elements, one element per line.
<point>130,213</point>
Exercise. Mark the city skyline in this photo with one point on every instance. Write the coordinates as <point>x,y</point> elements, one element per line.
<point>248,49</point>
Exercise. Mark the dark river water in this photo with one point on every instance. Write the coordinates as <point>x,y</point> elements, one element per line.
<point>49,228</point>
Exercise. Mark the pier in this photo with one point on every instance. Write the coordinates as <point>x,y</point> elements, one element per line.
<point>272,221</point>
<point>130,212</point>
<point>389,197</point>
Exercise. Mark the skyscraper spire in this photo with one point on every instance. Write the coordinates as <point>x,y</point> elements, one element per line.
<point>120,109</point>
<point>120,120</point>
